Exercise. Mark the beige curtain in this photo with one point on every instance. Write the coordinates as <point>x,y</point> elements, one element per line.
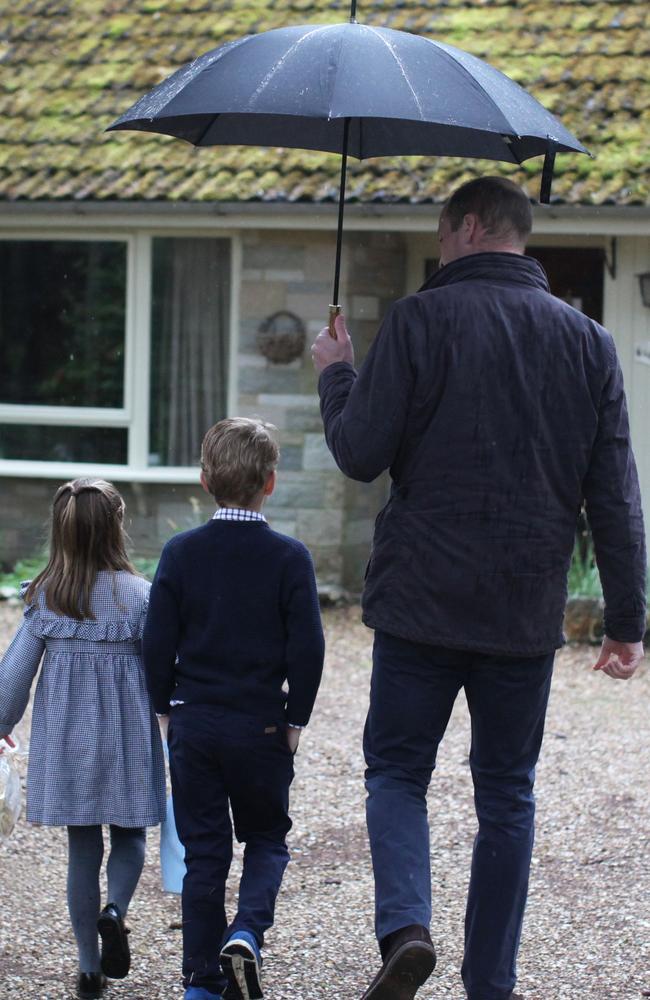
<point>193,339</point>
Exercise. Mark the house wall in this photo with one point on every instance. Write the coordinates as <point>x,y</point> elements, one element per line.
<point>629,321</point>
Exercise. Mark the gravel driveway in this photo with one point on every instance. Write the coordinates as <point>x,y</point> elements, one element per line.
<point>587,932</point>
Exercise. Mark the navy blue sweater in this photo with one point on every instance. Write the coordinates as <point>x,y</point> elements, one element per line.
<point>233,614</point>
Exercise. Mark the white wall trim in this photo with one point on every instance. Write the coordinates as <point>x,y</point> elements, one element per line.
<point>63,471</point>
<point>137,376</point>
<point>64,416</point>
<point>225,219</point>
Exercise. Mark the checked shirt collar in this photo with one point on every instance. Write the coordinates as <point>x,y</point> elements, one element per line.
<point>237,514</point>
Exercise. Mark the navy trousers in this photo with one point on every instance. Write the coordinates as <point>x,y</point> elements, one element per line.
<point>219,758</point>
<point>412,693</point>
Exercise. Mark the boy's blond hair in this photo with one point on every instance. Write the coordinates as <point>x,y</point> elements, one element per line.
<point>237,457</point>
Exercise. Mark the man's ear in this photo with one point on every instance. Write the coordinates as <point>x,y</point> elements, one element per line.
<point>470,228</point>
<point>269,486</point>
<point>204,483</point>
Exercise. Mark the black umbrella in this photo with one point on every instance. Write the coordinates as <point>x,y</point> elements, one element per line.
<point>353,89</point>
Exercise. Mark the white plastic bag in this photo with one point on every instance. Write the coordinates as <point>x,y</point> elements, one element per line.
<point>9,796</point>
<point>172,853</point>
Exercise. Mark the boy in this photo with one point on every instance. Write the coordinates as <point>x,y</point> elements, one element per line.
<point>233,614</point>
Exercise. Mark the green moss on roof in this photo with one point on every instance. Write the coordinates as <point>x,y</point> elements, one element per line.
<point>69,69</point>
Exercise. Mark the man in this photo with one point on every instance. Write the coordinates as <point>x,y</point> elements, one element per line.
<point>499,410</point>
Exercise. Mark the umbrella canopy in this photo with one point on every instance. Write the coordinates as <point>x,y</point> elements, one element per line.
<point>403,93</point>
<point>351,88</point>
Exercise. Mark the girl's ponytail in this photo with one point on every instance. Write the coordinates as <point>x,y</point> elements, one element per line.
<point>87,536</point>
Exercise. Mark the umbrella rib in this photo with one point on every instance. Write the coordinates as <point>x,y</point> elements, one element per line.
<point>399,63</point>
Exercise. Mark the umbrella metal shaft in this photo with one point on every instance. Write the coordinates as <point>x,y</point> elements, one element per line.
<point>335,308</point>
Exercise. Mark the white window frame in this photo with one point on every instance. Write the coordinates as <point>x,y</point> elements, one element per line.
<point>133,416</point>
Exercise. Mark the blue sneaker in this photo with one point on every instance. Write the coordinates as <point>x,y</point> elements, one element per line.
<point>199,993</point>
<point>242,966</point>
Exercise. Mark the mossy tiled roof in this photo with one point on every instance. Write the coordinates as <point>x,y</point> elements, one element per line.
<point>68,68</point>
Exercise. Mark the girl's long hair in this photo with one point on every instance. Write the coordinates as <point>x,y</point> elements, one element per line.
<point>87,535</point>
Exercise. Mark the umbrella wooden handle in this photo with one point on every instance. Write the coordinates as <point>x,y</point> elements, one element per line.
<point>334,312</point>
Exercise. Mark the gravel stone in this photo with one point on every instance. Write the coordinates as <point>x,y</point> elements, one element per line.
<point>587,929</point>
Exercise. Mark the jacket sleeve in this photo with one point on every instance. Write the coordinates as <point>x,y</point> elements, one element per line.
<point>364,415</point>
<point>614,512</point>
<point>17,671</point>
<point>305,645</point>
<point>161,633</point>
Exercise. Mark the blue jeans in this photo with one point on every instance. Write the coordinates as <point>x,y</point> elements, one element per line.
<point>412,693</point>
<point>220,758</point>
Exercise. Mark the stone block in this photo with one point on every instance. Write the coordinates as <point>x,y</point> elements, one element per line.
<point>285,527</point>
<point>251,361</point>
<point>306,306</point>
<point>317,455</point>
<point>286,276</point>
<point>274,254</point>
<point>328,562</point>
<point>290,458</point>
<point>290,399</point>
<point>319,258</point>
<point>305,419</point>
<point>322,527</point>
<point>300,490</point>
<point>260,299</point>
<point>364,307</point>
<point>275,415</point>
<point>358,532</point>
<point>276,378</point>
<point>355,560</point>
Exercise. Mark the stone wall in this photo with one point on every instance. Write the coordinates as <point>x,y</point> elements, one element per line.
<point>154,512</point>
<point>313,500</point>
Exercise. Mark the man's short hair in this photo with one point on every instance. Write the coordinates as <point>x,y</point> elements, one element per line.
<point>237,457</point>
<point>501,206</point>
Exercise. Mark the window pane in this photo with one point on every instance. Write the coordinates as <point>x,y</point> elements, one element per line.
<point>64,444</point>
<point>189,345</point>
<point>62,312</point>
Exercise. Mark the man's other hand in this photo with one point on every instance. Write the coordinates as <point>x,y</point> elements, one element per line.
<point>619,659</point>
<point>327,351</point>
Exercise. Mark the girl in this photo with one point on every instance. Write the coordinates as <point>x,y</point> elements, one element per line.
<point>95,755</point>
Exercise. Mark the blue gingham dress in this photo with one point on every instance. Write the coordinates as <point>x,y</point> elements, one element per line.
<point>95,752</point>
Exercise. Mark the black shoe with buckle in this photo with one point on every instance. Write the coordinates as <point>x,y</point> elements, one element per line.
<point>116,957</point>
<point>409,959</point>
<point>90,985</point>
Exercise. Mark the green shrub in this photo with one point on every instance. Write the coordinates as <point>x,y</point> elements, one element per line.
<point>26,569</point>
<point>584,580</point>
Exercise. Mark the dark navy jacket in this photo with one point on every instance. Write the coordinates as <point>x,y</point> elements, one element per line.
<point>233,614</point>
<point>498,409</point>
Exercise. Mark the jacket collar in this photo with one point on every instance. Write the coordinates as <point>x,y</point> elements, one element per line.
<point>509,268</point>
